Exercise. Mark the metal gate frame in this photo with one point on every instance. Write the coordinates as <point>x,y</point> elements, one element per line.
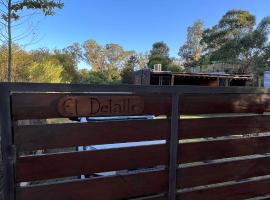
<point>7,140</point>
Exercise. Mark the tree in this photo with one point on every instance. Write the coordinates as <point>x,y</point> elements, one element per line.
<point>158,59</point>
<point>109,59</point>
<point>236,40</point>
<point>95,55</point>
<point>174,68</point>
<point>160,48</point>
<point>69,73</point>
<point>191,51</point>
<point>12,13</point>
<point>127,73</point>
<point>116,58</point>
<point>142,60</point>
<point>21,59</point>
<point>159,55</point>
<point>69,58</point>
<point>92,77</point>
<point>234,24</point>
<point>45,72</point>
<point>75,51</point>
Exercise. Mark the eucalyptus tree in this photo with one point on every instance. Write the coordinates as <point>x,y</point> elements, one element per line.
<point>236,40</point>
<point>191,51</point>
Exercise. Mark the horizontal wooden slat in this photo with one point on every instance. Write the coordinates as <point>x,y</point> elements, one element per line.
<point>210,150</point>
<point>239,191</point>
<point>152,197</point>
<point>223,126</point>
<point>72,164</point>
<point>47,136</point>
<point>45,105</point>
<point>119,187</point>
<point>224,103</point>
<point>28,138</point>
<point>40,167</point>
<point>222,172</point>
<point>155,197</point>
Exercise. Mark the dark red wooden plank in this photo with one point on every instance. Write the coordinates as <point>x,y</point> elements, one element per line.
<point>222,172</point>
<point>239,191</point>
<point>45,105</point>
<point>210,150</point>
<point>72,164</point>
<point>104,188</point>
<point>223,126</point>
<point>28,138</point>
<point>224,103</point>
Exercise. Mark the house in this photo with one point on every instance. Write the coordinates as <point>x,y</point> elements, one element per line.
<point>150,77</point>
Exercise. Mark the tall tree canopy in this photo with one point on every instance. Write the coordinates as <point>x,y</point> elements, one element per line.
<point>159,54</point>
<point>233,25</point>
<point>109,59</point>
<point>191,51</point>
<point>160,48</point>
<point>236,40</point>
<point>127,73</point>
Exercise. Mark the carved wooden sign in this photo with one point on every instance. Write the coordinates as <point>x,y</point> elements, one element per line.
<point>75,106</point>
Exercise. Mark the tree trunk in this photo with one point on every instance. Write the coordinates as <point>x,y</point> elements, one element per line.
<point>9,43</point>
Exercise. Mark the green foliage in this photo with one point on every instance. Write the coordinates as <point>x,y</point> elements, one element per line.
<point>69,73</point>
<point>160,48</point>
<point>174,68</point>
<point>47,7</point>
<point>159,55</point>
<point>92,77</point>
<point>109,59</point>
<point>159,59</point>
<point>234,24</point>
<point>12,11</point>
<point>75,51</point>
<point>235,40</point>
<point>60,57</point>
<point>94,55</point>
<point>191,51</point>
<point>45,72</point>
<point>21,59</point>
<point>127,75</point>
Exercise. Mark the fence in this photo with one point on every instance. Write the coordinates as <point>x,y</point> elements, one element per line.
<point>216,158</point>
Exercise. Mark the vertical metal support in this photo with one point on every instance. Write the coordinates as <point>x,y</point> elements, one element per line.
<point>226,82</point>
<point>7,144</point>
<point>172,80</point>
<point>173,146</point>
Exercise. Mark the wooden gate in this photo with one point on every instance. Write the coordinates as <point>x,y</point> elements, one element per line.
<point>220,156</point>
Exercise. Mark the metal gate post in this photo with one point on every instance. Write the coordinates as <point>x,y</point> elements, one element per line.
<point>173,146</point>
<point>7,144</point>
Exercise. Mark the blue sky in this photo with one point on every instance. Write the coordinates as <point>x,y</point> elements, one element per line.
<point>135,24</point>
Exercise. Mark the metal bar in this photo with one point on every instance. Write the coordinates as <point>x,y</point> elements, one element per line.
<point>173,146</point>
<point>172,80</point>
<point>27,87</point>
<point>7,145</point>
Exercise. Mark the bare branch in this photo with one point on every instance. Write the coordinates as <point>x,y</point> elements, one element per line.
<point>4,36</point>
<point>3,24</point>
<point>34,40</point>
<point>23,21</point>
<point>3,11</point>
<point>4,3</point>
